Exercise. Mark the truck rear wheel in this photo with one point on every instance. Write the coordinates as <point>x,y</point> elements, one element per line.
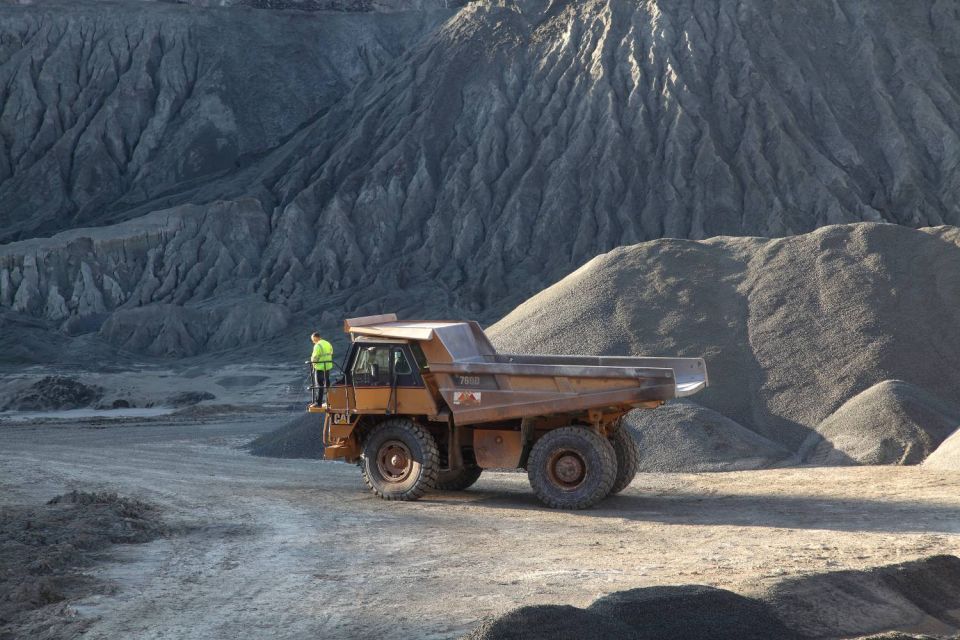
<point>459,479</point>
<point>628,457</point>
<point>400,460</point>
<point>572,468</point>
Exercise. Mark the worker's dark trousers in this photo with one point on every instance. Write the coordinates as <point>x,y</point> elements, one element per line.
<point>321,379</point>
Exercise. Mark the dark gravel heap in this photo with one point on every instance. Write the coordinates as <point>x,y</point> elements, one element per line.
<point>55,393</point>
<point>298,438</point>
<point>654,613</point>
<point>43,550</point>
<point>828,605</point>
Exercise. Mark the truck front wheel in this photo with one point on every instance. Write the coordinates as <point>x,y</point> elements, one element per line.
<point>400,460</point>
<point>572,468</point>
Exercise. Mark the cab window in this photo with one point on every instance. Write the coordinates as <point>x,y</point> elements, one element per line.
<point>371,366</point>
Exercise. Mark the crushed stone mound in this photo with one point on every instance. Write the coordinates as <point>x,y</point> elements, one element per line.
<point>916,596</point>
<point>655,613</point>
<point>893,422</point>
<point>55,393</point>
<point>43,550</point>
<point>947,455</point>
<point>791,328</point>
<point>899,602</point>
<point>553,622</point>
<point>189,398</point>
<point>683,436</point>
<point>299,438</point>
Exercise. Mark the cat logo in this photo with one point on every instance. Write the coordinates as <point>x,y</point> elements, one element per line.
<point>342,418</point>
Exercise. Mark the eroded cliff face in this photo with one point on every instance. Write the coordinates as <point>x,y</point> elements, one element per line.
<point>475,160</point>
<point>107,105</point>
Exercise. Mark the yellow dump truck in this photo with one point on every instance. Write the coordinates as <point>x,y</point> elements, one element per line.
<point>424,405</point>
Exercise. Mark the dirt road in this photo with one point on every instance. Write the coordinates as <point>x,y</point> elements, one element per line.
<point>298,548</point>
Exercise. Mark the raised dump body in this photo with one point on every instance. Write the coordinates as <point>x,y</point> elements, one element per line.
<point>440,389</point>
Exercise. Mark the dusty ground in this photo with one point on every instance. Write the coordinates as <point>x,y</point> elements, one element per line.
<point>298,548</point>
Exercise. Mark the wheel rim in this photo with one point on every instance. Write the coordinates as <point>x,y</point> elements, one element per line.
<point>567,469</point>
<point>394,461</point>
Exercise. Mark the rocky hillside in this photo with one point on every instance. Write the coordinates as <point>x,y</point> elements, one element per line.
<point>798,333</point>
<point>446,161</point>
<point>104,106</point>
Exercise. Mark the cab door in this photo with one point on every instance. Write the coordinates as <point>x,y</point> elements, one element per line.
<point>380,374</point>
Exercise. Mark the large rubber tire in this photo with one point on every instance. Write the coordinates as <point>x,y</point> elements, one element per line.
<point>628,457</point>
<point>572,468</point>
<point>400,460</point>
<point>458,480</point>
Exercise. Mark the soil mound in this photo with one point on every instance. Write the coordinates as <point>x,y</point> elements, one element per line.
<point>890,423</point>
<point>189,398</point>
<point>43,550</point>
<point>910,598</point>
<point>54,393</point>
<point>560,622</point>
<point>791,328</point>
<point>683,436</point>
<point>299,438</point>
<point>654,613</point>
<point>947,455</point>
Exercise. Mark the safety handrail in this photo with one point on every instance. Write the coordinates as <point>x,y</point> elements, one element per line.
<point>326,387</point>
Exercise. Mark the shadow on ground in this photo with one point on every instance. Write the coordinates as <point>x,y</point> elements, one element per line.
<point>749,510</point>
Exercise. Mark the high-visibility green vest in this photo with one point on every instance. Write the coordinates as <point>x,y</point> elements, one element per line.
<point>322,357</point>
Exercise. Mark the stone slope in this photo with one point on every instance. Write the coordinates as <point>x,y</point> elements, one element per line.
<point>791,329</point>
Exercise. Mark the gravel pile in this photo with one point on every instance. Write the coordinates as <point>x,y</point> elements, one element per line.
<point>791,328</point>
<point>692,612</point>
<point>913,596</point>
<point>922,594</point>
<point>947,455</point>
<point>890,423</point>
<point>54,393</point>
<point>298,438</point>
<point>683,436</point>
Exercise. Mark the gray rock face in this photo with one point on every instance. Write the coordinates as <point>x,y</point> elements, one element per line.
<point>890,423</point>
<point>791,329</point>
<point>170,283</point>
<point>438,161</point>
<point>588,125</point>
<point>107,105</point>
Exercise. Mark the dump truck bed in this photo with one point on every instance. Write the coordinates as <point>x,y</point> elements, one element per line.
<point>480,385</point>
<point>506,386</point>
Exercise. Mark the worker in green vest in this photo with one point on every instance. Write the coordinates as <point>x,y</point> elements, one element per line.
<point>322,360</point>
